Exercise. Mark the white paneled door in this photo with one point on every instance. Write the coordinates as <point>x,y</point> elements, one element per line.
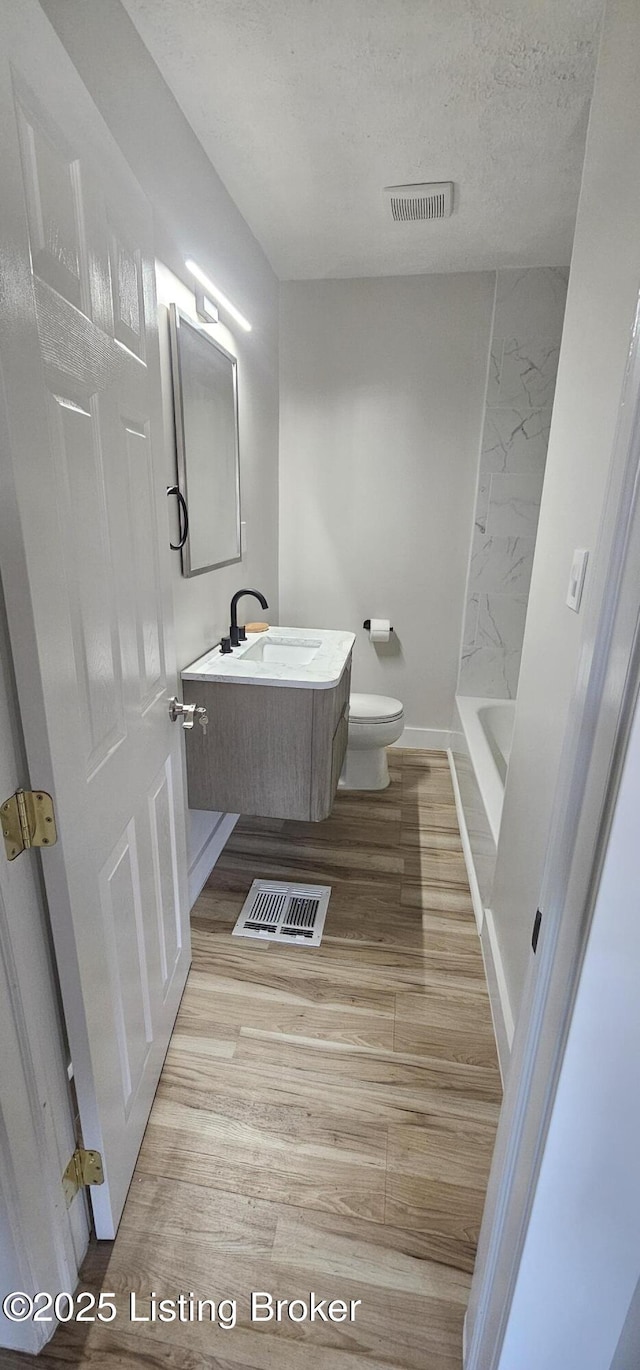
<point>84,559</point>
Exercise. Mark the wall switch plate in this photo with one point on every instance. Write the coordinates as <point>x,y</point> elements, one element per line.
<point>576,578</point>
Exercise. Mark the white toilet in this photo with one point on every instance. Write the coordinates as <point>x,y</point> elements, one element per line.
<point>375,721</point>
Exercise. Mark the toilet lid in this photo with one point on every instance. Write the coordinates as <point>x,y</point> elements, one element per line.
<point>374,709</point>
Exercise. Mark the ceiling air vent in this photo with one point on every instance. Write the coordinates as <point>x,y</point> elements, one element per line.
<point>415,204</point>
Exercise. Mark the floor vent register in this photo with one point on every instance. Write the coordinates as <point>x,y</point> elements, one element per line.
<point>275,912</point>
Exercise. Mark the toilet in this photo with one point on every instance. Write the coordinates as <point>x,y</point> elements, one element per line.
<point>375,722</point>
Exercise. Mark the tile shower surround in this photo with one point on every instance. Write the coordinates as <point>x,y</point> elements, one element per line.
<point>525,343</point>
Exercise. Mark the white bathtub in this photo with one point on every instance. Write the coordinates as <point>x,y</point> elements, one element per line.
<point>487,725</point>
<point>480,749</point>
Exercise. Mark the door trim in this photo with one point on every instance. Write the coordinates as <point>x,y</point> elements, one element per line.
<point>46,1241</point>
<point>602,707</point>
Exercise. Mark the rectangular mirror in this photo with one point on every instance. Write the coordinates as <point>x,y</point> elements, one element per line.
<point>205,401</point>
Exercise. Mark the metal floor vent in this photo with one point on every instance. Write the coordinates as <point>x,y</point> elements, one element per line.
<point>275,912</point>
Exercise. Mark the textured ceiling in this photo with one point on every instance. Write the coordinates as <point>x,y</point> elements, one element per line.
<point>307,108</point>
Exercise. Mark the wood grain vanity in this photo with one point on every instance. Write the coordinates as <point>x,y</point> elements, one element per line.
<point>271,749</point>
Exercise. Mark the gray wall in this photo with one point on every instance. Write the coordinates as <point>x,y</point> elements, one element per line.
<point>382,393</point>
<point>525,344</point>
<point>628,1349</point>
<point>601,303</point>
<point>194,216</point>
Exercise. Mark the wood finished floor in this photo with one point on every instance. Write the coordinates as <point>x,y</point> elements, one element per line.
<point>325,1117</point>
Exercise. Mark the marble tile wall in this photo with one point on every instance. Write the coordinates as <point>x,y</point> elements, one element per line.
<point>525,344</point>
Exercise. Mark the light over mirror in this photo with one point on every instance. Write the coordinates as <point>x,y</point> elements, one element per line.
<point>205,401</point>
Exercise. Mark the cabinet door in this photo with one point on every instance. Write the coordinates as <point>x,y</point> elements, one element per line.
<point>330,722</point>
<point>338,751</point>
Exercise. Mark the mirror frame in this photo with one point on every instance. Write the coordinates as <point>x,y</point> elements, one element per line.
<point>177,318</point>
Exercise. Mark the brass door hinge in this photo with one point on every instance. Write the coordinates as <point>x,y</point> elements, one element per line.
<point>85,1167</point>
<point>28,821</point>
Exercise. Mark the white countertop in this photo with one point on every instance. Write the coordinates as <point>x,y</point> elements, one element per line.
<point>329,650</point>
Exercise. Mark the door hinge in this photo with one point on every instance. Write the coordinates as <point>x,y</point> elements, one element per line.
<point>85,1167</point>
<point>28,821</point>
<point>536,930</point>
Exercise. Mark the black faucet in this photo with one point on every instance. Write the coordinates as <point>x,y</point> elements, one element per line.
<point>237,634</point>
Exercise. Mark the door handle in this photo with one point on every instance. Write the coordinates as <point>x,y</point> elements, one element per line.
<point>183,516</point>
<point>188,713</point>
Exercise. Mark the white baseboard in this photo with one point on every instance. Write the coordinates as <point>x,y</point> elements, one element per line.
<point>425,739</point>
<point>206,859</point>
<point>476,898</point>
<point>503,1024</point>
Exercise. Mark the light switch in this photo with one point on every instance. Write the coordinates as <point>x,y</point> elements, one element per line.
<point>576,578</point>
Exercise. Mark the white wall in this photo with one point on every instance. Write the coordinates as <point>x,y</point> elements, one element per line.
<point>382,392</point>
<point>194,216</point>
<point>197,612</point>
<point>201,603</point>
<point>603,290</point>
<point>575,1295</point>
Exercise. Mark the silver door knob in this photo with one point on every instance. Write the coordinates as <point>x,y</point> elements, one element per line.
<point>188,713</point>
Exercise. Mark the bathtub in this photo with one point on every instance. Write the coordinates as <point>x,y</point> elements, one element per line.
<point>487,726</point>
<point>479,759</point>
<point>480,748</point>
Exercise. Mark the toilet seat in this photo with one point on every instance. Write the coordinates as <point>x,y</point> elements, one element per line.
<point>374,709</point>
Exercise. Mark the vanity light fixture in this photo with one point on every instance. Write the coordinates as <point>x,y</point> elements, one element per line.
<point>217,294</point>
<point>206,310</point>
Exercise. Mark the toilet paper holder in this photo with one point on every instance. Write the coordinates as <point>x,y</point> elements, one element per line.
<point>367,625</point>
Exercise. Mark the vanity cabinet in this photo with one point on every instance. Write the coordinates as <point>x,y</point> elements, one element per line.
<point>272,751</point>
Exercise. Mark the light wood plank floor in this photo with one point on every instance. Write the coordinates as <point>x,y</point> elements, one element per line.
<point>325,1117</point>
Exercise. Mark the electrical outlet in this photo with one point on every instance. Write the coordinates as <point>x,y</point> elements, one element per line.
<point>576,578</point>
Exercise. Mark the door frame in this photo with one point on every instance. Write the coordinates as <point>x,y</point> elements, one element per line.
<point>604,699</point>
<point>45,1241</point>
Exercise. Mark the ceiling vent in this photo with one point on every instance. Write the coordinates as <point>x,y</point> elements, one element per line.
<point>416,204</point>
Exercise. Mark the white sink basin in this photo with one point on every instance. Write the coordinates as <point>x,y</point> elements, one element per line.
<point>284,651</point>
<point>302,658</point>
